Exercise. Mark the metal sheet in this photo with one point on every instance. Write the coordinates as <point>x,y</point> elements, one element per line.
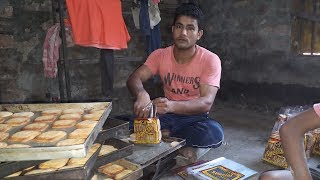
<point>45,153</point>
<point>124,150</point>
<point>113,128</point>
<point>83,172</point>
<point>145,155</point>
<point>136,174</point>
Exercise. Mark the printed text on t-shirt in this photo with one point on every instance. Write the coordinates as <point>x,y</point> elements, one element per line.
<point>195,81</point>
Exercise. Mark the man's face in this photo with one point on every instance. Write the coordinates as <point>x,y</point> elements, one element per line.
<point>186,32</point>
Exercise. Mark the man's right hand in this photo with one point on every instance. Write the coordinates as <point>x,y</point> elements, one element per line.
<point>139,106</point>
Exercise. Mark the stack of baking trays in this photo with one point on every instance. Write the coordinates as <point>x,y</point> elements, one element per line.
<point>63,141</point>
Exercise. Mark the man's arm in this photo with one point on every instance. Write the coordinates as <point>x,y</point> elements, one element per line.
<point>200,105</point>
<point>292,135</point>
<point>135,86</point>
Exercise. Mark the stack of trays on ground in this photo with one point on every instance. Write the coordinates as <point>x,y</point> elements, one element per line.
<point>51,132</point>
<point>68,168</point>
<point>120,169</point>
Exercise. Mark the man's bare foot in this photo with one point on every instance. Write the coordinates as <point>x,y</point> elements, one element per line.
<point>189,153</point>
<point>165,133</point>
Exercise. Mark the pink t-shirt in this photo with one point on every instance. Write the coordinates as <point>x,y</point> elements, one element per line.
<point>182,81</point>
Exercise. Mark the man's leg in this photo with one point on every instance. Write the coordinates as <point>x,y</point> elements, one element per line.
<point>201,134</point>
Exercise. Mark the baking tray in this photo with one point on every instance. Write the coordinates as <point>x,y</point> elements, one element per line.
<point>45,153</point>
<point>136,174</point>
<point>7,168</point>
<point>113,128</point>
<point>124,149</point>
<point>83,172</point>
<point>145,155</point>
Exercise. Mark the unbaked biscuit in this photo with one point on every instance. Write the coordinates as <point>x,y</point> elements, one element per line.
<point>50,136</point>
<point>112,170</point>
<point>94,148</point>
<point>5,127</point>
<point>39,171</point>
<point>94,117</point>
<point>80,133</point>
<point>86,124</point>
<point>53,164</point>
<point>18,146</point>
<point>97,111</point>
<point>36,127</point>
<point>51,112</point>
<point>3,135</point>
<point>106,149</point>
<point>46,119</point>
<point>24,136</point>
<point>23,114</point>
<point>70,142</point>
<point>70,166</point>
<point>14,174</point>
<point>73,111</point>
<point>63,124</point>
<point>70,117</point>
<point>3,144</point>
<point>4,114</point>
<point>123,174</point>
<point>19,121</point>
<point>78,161</point>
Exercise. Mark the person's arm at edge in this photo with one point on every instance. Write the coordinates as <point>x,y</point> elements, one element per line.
<point>292,135</point>
<point>200,105</point>
<point>135,86</point>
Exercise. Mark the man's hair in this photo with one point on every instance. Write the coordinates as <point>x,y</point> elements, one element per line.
<point>191,10</point>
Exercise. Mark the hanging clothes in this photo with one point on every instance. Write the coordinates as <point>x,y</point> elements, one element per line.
<point>154,14</point>
<point>51,45</point>
<point>98,23</point>
<point>153,36</point>
<point>50,55</point>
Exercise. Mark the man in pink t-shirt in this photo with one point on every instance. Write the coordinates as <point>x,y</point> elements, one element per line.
<point>191,78</point>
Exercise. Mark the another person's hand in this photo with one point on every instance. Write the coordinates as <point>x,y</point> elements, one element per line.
<point>139,106</point>
<point>164,105</point>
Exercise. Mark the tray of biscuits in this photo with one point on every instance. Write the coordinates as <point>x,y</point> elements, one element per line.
<point>66,168</point>
<point>120,169</point>
<point>49,131</point>
<point>113,149</point>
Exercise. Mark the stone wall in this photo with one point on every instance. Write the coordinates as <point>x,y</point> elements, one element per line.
<point>251,37</point>
<point>253,40</point>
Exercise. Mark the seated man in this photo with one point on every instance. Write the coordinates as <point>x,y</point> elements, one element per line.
<point>292,134</point>
<point>191,78</point>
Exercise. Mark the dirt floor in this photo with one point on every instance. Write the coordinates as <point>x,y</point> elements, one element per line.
<point>246,134</point>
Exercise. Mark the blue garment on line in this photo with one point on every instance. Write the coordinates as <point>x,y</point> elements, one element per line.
<point>153,36</point>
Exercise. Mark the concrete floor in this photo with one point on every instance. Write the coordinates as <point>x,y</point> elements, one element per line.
<point>246,135</point>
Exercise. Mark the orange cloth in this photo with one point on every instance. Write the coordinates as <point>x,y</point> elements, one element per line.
<point>98,23</point>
